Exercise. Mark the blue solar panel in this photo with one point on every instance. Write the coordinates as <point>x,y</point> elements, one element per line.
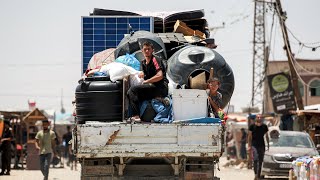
<point>103,32</point>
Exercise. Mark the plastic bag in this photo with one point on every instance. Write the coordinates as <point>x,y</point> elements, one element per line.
<point>118,71</point>
<point>135,80</point>
<point>100,74</point>
<point>101,58</point>
<point>129,60</point>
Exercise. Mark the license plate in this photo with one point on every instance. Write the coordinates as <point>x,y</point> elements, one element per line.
<point>287,166</point>
<point>281,107</point>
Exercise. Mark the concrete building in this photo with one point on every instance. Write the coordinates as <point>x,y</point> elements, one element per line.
<point>309,80</point>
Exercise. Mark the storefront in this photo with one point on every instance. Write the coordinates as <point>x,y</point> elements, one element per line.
<point>311,123</point>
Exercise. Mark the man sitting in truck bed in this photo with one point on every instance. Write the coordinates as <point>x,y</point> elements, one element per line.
<point>155,83</point>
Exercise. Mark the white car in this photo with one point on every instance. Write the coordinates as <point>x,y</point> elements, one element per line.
<point>284,149</point>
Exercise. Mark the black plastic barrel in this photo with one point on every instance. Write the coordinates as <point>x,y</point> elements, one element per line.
<point>99,99</point>
<point>193,60</point>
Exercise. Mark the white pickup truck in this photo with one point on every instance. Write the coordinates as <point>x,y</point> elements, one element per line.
<point>148,150</point>
<point>182,149</point>
<point>107,146</point>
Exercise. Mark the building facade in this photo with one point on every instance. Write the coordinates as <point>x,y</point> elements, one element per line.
<point>308,77</point>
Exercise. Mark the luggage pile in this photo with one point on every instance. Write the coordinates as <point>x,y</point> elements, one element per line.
<point>305,168</point>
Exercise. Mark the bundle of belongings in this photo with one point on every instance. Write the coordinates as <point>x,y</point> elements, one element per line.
<point>155,110</point>
<point>123,66</point>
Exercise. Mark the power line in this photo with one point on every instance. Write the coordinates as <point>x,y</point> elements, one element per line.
<point>282,17</point>
<point>235,50</point>
<point>296,62</point>
<point>291,55</point>
<point>299,76</point>
<point>307,45</point>
<point>40,64</point>
<point>239,18</point>
<point>295,69</point>
<point>31,95</point>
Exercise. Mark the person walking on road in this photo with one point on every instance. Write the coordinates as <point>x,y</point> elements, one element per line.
<point>72,157</point>
<point>6,149</point>
<point>66,138</point>
<point>45,142</point>
<point>243,150</point>
<point>256,144</point>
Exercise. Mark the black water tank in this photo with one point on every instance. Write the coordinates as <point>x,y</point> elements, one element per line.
<point>99,99</point>
<point>194,59</point>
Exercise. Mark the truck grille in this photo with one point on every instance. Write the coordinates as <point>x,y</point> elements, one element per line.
<point>284,158</point>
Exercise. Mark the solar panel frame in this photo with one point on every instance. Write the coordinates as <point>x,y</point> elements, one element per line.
<point>102,32</point>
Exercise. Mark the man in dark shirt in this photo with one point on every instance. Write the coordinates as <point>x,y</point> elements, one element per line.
<point>257,145</point>
<point>6,149</point>
<point>154,72</point>
<point>155,83</point>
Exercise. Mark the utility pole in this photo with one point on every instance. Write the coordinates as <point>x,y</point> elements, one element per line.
<point>258,61</point>
<point>294,76</point>
<point>266,93</point>
<point>258,69</point>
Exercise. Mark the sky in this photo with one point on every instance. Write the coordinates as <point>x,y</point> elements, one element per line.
<point>40,43</point>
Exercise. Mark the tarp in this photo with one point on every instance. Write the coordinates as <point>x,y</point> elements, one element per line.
<point>65,118</point>
<point>238,118</point>
<point>61,118</point>
<point>303,112</point>
<point>237,121</point>
<point>239,125</point>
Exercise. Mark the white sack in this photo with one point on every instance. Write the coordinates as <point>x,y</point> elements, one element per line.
<point>118,71</point>
<point>135,80</point>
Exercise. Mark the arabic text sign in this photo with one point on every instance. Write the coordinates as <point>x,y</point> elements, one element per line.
<point>281,92</point>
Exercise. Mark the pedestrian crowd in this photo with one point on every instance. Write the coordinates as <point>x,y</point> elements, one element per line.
<point>51,151</point>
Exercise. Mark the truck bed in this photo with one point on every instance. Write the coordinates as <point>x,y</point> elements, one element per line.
<point>101,140</point>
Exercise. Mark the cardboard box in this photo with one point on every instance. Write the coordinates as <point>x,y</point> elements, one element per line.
<point>198,82</point>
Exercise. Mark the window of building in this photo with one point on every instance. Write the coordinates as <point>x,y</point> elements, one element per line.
<point>315,88</point>
<point>301,88</point>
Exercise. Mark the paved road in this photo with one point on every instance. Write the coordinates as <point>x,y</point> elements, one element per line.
<point>67,174</point>
<point>54,174</point>
<point>233,173</point>
<point>225,173</point>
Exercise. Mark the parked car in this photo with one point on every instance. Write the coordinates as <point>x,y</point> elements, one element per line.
<point>285,148</point>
